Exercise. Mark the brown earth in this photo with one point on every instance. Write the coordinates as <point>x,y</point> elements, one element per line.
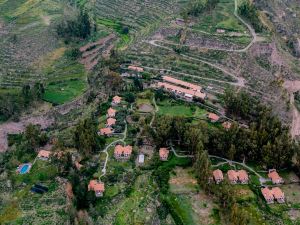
<point>92,52</point>
<point>19,127</point>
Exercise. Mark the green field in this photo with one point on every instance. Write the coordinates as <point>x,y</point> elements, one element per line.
<point>176,109</point>
<point>61,92</point>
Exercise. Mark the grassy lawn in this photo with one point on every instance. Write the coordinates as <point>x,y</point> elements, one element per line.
<point>167,107</point>
<point>65,91</point>
<point>118,27</point>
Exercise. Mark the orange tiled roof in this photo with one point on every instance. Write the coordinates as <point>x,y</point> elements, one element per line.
<point>111,112</point>
<point>180,90</point>
<point>243,175</point>
<point>232,175</point>
<point>96,186</point>
<point>218,174</point>
<point>111,121</point>
<point>274,175</point>
<point>119,149</point>
<point>117,99</point>
<point>213,116</point>
<point>277,192</point>
<point>182,83</point>
<point>105,131</point>
<point>163,152</point>
<point>136,68</point>
<point>44,154</point>
<point>267,193</point>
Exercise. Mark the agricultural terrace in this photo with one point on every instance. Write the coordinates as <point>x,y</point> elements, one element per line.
<point>30,50</point>
<point>23,207</point>
<point>137,15</point>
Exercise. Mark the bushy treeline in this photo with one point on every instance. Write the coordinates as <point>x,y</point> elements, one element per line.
<point>12,104</point>
<point>249,11</point>
<point>25,146</point>
<point>75,24</point>
<point>196,7</point>
<point>86,139</point>
<point>266,141</point>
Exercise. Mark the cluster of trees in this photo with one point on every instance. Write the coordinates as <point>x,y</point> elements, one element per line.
<point>25,145</point>
<point>266,141</point>
<point>188,136</point>
<point>75,24</point>
<point>196,7</point>
<point>86,138</point>
<point>249,11</point>
<point>12,104</point>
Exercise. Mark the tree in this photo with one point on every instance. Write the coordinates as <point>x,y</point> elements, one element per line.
<point>129,97</point>
<point>203,168</point>
<point>163,125</point>
<point>231,152</point>
<point>75,24</point>
<point>85,136</point>
<point>249,11</point>
<point>32,135</point>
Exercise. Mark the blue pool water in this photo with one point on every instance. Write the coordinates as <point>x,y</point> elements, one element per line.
<point>25,168</point>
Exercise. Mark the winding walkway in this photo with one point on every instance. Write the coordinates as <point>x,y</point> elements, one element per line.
<point>110,145</point>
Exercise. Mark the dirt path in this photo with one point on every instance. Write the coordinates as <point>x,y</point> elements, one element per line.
<point>110,145</point>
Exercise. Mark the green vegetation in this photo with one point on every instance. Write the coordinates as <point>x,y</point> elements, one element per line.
<point>61,92</point>
<point>13,103</point>
<point>249,11</point>
<point>173,108</point>
<point>196,7</point>
<point>76,26</point>
<point>297,99</point>
<point>222,17</point>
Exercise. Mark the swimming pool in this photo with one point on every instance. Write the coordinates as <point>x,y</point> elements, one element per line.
<point>24,168</point>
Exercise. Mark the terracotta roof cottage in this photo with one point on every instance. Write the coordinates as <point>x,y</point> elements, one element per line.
<point>116,100</point>
<point>106,131</point>
<point>243,176</point>
<point>232,176</point>
<point>110,122</point>
<point>218,176</point>
<point>267,193</point>
<point>278,194</point>
<point>123,152</point>
<point>136,68</point>
<point>163,154</point>
<point>97,187</point>
<point>213,117</point>
<point>274,176</point>
<point>111,112</point>
<point>273,194</point>
<point>44,155</point>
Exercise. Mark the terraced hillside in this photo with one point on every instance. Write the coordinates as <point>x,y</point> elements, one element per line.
<point>30,50</point>
<point>137,14</point>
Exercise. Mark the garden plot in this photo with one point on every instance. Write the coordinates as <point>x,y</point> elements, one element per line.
<point>192,205</point>
<point>20,206</point>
